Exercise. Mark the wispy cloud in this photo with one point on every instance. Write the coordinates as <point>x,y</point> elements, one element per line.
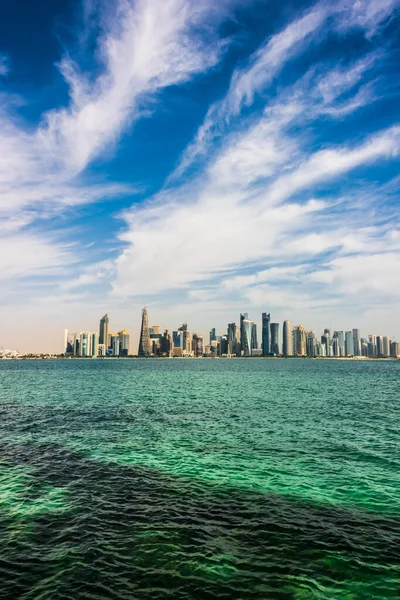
<point>265,64</point>
<point>143,48</point>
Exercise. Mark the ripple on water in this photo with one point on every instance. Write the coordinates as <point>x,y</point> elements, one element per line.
<point>246,488</point>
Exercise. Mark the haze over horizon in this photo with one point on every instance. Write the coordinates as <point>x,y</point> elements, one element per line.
<point>202,159</point>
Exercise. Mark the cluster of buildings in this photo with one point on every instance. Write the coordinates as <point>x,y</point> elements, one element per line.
<point>242,340</point>
<point>103,343</point>
<point>239,340</point>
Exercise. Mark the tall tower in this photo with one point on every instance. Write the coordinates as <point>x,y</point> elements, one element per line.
<point>265,339</point>
<point>103,332</point>
<point>287,339</point>
<point>246,329</point>
<point>144,342</point>
<point>357,342</point>
<point>274,338</point>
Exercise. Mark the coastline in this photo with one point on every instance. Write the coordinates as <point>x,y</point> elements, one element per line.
<point>135,357</point>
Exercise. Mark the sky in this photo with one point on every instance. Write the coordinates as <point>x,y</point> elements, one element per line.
<point>203,158</point>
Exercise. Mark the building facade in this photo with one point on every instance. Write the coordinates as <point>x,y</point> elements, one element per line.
<point>274,338</point>
<point>287,339</point>
<point>144,340</point>
<point>265,334</point>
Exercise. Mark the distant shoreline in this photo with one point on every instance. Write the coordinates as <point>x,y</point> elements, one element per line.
<point>134,357</point>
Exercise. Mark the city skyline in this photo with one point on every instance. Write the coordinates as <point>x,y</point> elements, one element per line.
<point>239,340</point>
<point>200,158</point>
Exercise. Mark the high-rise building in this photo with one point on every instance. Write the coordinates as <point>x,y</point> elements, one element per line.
<point>144,341</point>
<point>114,344</point>
<point>326,341</point>
<point>223,345</point>
<point>103,331</point>
<point>233,339</point>
<point>70,340</point>
<point>348,343</point>
<point>379,345</point>
<point>254,341</point>
<point>266,340</point>
<point>198,344</point>
<point>186,339</point>
<point>166,344</point>
<point>300,340</point>
<point>213,335</point>
<point>356,342</point>
<point>287,339</point>
<point>395,349</point>
<point>386,346</point>
<point>311,344</point>
<point>340,344</point>
<point>85,344</point>
<point>246,331</point>
<point>372,346</point>
<point>177,339</point>
<point>95,345</point>
<point>274,338</point>
<point>124,338</point>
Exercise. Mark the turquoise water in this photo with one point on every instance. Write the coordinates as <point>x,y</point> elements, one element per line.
<point>242,479</point>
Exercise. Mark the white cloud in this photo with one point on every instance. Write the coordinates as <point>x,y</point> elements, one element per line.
<point>376,275</point>
<point>264,65</point>
<point>152,45</point>
<point>27,254</point>
<point>143,48</point>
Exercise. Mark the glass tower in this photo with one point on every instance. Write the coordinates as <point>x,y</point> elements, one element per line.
<point>103,333</point>
<point>266,342</point>
<point>144,342</point>
<point>246,330</point>
<point>275,338</point>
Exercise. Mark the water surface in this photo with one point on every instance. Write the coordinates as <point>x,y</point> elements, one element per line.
<point>200,479</point>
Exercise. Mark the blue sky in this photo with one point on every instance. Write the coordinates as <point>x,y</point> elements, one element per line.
<point>203,158</point>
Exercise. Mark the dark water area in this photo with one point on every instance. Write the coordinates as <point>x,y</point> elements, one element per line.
<point>242,479</point>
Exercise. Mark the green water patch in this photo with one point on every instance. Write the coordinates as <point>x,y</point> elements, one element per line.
<point>325,431</point>
<point>132,531</point>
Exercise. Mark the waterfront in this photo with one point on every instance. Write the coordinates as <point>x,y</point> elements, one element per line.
<point>200,479</point>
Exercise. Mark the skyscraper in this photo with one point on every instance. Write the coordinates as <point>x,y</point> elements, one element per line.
<point>326,341</point>
<point>197,344</point>
<point>103,333</point>
<point>144,341</point>
<point>254,341</point>
<point>85,344</point>
<point>166,344</point>
<point>348,342</point>
<point>213,336</point>
<point>274,338</point>
<point>114,344</point>
<point>356,342</point>
<point>287,339</point>
<point>265,341</point>
<point>386,346</point>
<point>95,344</point>
<point>311,344</point>
<point>123,342</point>
<point>246,330</point>
<point>233,334</point>
<point>300,340</point>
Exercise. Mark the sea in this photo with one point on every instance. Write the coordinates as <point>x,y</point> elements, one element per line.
<point>184,479</point>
